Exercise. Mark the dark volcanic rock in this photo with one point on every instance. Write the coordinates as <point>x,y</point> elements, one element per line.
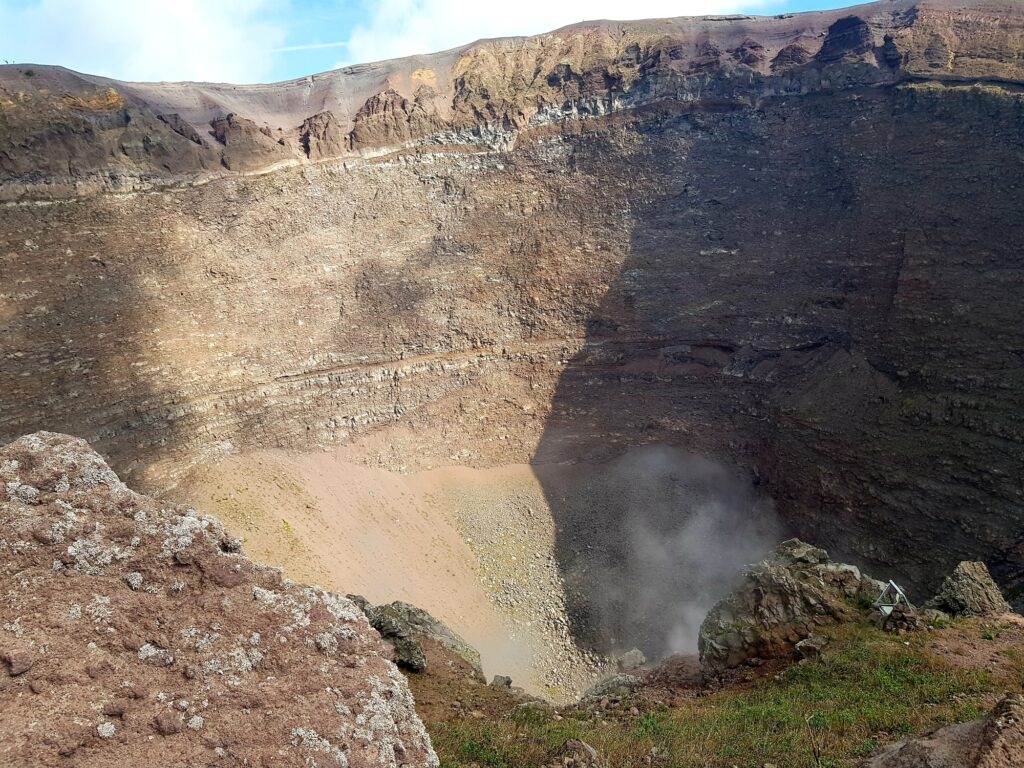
<point>850,36</point>
<point>402,625</point>
<point>182,128</point>
<point>408,653</point>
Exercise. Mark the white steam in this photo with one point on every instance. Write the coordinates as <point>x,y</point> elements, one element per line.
<point>648,543</point>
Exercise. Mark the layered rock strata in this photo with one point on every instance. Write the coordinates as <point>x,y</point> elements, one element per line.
<point>792,243</point>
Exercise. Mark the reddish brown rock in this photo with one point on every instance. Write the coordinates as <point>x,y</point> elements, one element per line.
<point>389,119</point>
<point>168,723</point>
<point>993,741</point>
<point>282,673</point>
<point>322,136</point>
<point>247,146</point>
<point>18,662</point>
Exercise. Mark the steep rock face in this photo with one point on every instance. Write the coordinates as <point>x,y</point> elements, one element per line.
<point>321,136</point>
<point>247,146</point>
<point>134,632</point>
<point>66,131</point>
<point>388,119</point>
<point>792,243</point>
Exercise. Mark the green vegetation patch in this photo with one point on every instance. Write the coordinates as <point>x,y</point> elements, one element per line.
<point>869,689</point>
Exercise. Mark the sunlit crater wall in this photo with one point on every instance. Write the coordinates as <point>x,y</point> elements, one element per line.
<point>803,262</point>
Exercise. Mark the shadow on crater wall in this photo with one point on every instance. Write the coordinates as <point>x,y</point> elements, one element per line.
<point>81,329</point>
<point>820,294</point>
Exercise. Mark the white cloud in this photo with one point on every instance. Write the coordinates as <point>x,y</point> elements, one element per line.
<point>403,27</point>
<point>212,40</point>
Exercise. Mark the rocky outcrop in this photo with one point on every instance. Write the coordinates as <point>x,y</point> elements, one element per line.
<point>247,146</point>
<point>134,631</point>
<point>389,119</point>
<point>181,127</point>
<point>993,741</point>
<point>322,136</point>
<point>615,686</point>
<point>778,604</point>
<point>970,591</point>
<point>402,626</point>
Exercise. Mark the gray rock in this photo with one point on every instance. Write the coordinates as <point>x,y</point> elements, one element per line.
<point>615,686</point>
<point>403,625</point>
<point>501,681</point>
<point>422,623</point>
<point>970,591</point>
<point>779,602</point>
<point>902,618</point>
<point>395,632</point>
<point>811,646</point>
<point>631,659</point>
<point>795,551</point>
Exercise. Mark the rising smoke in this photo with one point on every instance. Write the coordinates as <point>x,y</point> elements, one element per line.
<point>649,542</point>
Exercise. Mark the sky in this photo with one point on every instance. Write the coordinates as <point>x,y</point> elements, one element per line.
<point>254,41</point>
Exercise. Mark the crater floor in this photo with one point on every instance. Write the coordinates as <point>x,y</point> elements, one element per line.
<point>548,570</point>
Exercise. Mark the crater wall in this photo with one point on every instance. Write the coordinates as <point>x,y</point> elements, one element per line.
<point>793,244</point>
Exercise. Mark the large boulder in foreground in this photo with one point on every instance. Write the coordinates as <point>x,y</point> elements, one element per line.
<point>779,602</point>
<point>970,591</point>
<point>993,741</point>
<point>134,632</point>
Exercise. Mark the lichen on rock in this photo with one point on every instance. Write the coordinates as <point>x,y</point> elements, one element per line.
<point>970,591</point>
<point>146,611</point>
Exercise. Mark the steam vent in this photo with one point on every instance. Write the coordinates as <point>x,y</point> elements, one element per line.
<point>565,400</point>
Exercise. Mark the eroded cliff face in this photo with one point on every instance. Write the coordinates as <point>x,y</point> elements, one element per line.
<point>793,244</point>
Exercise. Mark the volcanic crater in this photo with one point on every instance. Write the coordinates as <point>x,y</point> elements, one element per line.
<point>548,335</point>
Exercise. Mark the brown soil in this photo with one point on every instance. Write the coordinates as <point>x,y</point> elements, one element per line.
<point>449,690</point>
<point>995,644</point>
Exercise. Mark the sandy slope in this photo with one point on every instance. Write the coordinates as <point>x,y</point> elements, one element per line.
<point>473,547</point>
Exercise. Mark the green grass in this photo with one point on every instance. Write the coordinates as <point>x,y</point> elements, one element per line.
<point>870,689</point>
